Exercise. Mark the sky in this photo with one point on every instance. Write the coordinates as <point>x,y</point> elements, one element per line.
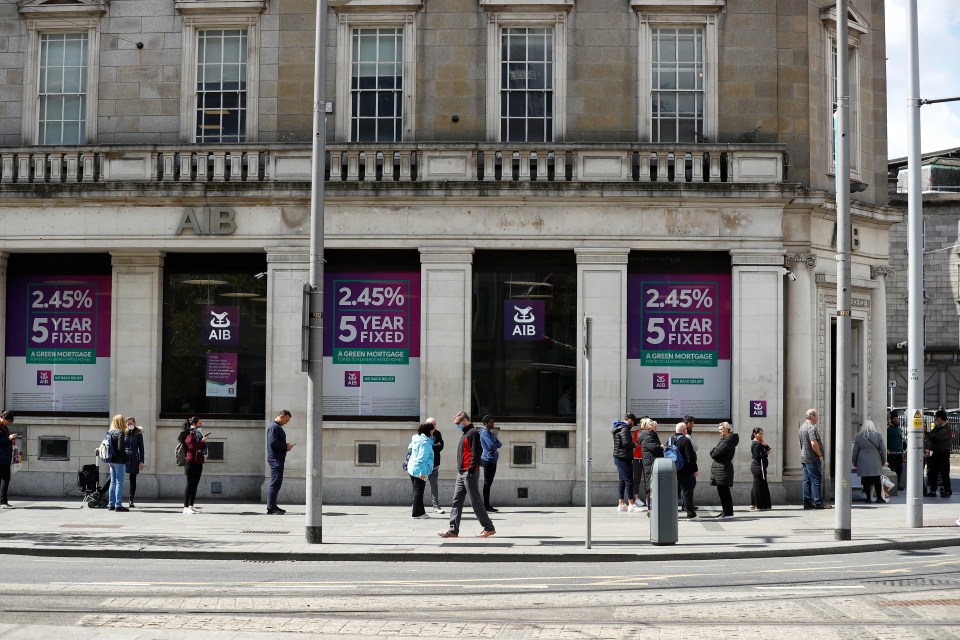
<point>939,38</point>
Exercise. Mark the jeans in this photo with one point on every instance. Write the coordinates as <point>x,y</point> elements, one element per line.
<point>276,480</point>
<point>434,492</point>
<point>467,482</point>
<point>118,474</point>
<point>812,483</point>
<point>489,472</point>
<point>638,477</point>
<point>418,487</point>
<point>625,479</point>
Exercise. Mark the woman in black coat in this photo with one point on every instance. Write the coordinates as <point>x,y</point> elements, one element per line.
<point>649,444</point>
<point>721,471</point>
<point>760,493</point>
<point>134,445</point>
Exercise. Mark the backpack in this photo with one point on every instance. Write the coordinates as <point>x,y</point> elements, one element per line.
<point>406,460</point>
<point>672,452</point>
<point>105,450</point>
<point>180,455</point>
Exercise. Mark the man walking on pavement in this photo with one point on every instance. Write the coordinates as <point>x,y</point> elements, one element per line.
<point>277,449</point>
<point>468,464</point>
<point>811,457</point>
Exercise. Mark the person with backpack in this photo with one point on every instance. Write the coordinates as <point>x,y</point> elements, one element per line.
<point>195,444</point>
<point>420,466</point>
<point>623,459</point>
<point>721,470</point>
<point>680,449</point>
<point>116,441</point>
<point>134,445</point>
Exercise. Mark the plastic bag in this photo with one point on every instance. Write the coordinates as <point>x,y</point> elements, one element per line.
<point>887,485</point>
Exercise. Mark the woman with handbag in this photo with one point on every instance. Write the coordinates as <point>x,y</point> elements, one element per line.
<point>759,452</point>
<point>869,456</point>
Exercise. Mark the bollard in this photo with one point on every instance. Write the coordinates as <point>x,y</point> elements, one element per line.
<point>663,493</point>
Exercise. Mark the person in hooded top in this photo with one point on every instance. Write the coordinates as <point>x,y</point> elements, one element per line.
<point>420,466</point>
<point>721,470</point>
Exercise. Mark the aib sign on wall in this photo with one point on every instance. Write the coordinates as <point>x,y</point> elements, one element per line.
<point>220,325</point>
<point>523,319</point>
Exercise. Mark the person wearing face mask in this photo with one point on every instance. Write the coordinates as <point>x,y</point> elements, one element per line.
<point>196,444</point>
<point>468,463</point>
<point>759,452</point>
<point>134,445</point>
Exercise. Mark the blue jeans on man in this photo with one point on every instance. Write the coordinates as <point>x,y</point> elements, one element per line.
<point>118,474</point>
<point>812,484</point>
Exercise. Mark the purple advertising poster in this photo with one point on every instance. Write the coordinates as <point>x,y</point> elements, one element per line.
<point>679,345</point>
<point>523,319</point>
<point>58,343</point>
<point>221,374</point>
<point>371,343</point>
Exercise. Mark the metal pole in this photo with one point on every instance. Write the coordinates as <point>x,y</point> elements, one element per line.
<point>842,494</point>
<point>587,392</point>
<point>915,339</point>
<point>314,530</point>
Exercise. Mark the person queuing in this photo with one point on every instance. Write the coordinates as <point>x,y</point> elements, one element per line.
<point>434,476</point>
<point>7,443</point>
<point>721,470</point>
<point>895,449</point>
<point>811,459</point>
<point>420,466</point>
<point>938,466</point>
<point>468,464</point>
<point>135,457</point>
<point>488,459</point>
<point>638,458</point>
<point>195,443</point>
<point>118,462</point>
<point>759,454</point>
<point>869,456</point>
<point>686,477</point>
<point>649,444</point>
<point>623,459</point>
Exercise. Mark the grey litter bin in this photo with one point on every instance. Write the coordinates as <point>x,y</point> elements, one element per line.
<point>663,493</point>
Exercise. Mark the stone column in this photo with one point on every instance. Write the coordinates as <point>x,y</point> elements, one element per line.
<point>135,353</point>
<point>877,410</point>
<point>757,373</point>
<point>4,257</point>
<point>446,309</point>
<point>288,269</point>
<point>602,296</point>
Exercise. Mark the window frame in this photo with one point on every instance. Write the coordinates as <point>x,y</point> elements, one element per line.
<point>36,28</point>
<point>347,22</point>
<point>499,20</point>
<point>193,24</point>
<point>647,21</point>
<point>854,112</point>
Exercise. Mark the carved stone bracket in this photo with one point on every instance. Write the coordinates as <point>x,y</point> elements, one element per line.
<point>881,272</point>
<point>797,259</point>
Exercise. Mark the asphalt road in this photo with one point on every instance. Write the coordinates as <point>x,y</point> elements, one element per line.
<point>889,594</point>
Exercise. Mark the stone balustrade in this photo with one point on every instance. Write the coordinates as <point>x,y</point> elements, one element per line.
<point>398,162</point>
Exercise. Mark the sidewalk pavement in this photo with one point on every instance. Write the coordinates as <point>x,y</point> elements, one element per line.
<point>232,531</point>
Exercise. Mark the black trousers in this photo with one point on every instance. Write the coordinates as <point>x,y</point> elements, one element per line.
<point>760,492</point>
<point>489,473</point>
<point>938,473</point>
<point>276,481</point>
<point>418,488</point>
<point>133,486</point>
<point>193,472</point>
<point>895,460</point>
<point>4,482</point>
<point>686,482</point>
<point>726,500</point>
<point>868,482</point>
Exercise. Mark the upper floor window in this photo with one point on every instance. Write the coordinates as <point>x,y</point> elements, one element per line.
<point>62,87</point>
<point>221,85</point>
<point>526,84</point>
<point>857,26</point>
<point>61,70</point>
<point>677,103</point>
<point>376,85</point>
<point>376,63</point>
<point>526,75</point>
<point>677,72</point>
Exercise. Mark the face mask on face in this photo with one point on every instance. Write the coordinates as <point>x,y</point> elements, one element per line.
<point>460,425</point>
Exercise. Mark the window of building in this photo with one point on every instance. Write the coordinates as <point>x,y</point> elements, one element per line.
<point>221,85</point>
<point>54,448</point>
<point>857,26</point>
<point>368,453</point>
<point>376,85</point>
<point>220,70</point>
<point>522,455</point>
<point>524,355</point>
<point>526,76</point>
<point>677,71</point>
<point>214,336</point>
<point>216,451</point>
<point>677,98</point>
<point>61,73</point>
<point>375,64</point>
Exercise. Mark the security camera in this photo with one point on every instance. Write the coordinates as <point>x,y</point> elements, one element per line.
<point>786,272</point>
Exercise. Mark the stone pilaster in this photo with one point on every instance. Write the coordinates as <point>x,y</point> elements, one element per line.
<point>4,257</point>
<point>800,377</point>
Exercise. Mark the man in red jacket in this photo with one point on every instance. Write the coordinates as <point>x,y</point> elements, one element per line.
<point>468,463</point>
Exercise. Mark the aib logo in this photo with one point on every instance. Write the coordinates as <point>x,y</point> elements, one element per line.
<point>43,378</point>
<point>219,326</point>
<point>758,408</point>
<point>524,319</point>
<point>351,378</point>
<point>661,381</point>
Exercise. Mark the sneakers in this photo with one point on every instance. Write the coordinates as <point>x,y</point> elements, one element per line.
<point>111,508</point>
<point>189,510</point>
<point>726,516</point>
<point>119,509</point>
<point>422,516</point>
<point>437,509</point>
<point>621,507</point>
<point>276,511</point>
<point>491,509</point>
<point>7,506</point>
<point>448,534</point>
<point>823,506</point>
<point>692,514</point>
<point>753,507</point>
<point>634,509</point>
<point>487,534</point>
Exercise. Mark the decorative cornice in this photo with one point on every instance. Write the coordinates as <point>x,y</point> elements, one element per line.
<point>881,271</point>
<point>797,259</point>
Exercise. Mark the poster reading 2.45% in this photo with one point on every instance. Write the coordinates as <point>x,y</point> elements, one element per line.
<point>678,359</point>
<point>371,347</point>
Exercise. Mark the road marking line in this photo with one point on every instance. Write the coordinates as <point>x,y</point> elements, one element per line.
<point>812,587</point>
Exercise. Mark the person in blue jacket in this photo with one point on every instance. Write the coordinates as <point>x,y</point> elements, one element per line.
<point>489,457</point>
<point>420,466</point>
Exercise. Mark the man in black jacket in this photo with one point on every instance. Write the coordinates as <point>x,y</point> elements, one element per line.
<point>277,448</point>
<point>686,476</point>
<point>468,464</point>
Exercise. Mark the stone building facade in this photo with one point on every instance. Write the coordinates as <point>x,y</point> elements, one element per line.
<point>498,171</point>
